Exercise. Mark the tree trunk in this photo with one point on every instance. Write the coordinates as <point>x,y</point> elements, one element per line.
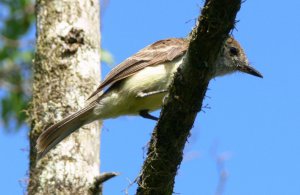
<point>66,70</point>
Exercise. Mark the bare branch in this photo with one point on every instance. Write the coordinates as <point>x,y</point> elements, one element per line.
<point>96,189</point>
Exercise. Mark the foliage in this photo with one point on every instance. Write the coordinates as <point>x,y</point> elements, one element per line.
<point>16,52</point>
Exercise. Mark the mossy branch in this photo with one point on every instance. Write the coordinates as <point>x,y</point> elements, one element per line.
<point>187,92</point>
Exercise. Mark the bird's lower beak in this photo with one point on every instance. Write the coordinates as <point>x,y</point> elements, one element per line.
<point>250,70</point>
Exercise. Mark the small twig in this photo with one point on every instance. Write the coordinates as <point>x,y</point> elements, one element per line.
<point>223,174</point>
<point>130,184</point>
<point>220,159</point>
<point>96,188</point>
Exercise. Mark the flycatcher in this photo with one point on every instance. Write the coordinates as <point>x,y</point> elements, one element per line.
<point>138,85</point>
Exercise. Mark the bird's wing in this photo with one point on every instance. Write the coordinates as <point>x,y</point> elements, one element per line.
<point>156,53</point>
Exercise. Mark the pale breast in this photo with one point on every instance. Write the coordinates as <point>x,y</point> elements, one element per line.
<point>124,100</point>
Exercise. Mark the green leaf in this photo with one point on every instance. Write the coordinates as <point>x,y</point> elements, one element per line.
<point>107,57</point>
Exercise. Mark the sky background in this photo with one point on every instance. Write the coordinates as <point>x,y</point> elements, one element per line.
<point>253,124</point>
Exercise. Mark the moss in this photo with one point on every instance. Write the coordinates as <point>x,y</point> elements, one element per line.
<point>186,96</point>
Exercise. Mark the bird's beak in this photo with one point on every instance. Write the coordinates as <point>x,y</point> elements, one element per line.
<point>249,70</point>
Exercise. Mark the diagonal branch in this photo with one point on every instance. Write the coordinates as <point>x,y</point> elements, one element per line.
<point>186,96</point>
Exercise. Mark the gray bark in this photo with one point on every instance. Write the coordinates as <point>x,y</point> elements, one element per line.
<point>66,70</point>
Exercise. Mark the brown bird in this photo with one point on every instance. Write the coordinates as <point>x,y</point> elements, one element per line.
<point>138,85</point>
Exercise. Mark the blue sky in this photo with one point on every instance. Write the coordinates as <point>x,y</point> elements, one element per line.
<point>252,123</point>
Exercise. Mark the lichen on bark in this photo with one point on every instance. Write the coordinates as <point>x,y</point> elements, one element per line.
<point>66,70</point>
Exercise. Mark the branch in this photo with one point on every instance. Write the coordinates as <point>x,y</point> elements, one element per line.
<point>186,96</point>
<point>96,188</point>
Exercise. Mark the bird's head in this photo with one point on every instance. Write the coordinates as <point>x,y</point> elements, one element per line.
<point>233,58</point>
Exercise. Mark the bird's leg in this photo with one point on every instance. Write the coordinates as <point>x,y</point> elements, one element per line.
<point>145,114</point>
<point>146,94</point>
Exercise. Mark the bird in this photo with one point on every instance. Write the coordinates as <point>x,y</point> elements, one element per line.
<point>139,84</point>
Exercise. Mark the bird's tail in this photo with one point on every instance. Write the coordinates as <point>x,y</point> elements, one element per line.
<point>59,131</point>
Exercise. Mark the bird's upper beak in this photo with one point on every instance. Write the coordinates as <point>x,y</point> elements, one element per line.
<point>249,70</point>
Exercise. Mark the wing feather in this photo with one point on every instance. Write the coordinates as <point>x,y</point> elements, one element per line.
<point>156,53</point>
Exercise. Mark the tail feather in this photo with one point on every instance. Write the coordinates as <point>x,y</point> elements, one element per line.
<point>59,131</point>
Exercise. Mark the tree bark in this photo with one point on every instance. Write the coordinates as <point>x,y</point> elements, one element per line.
<point>185,98</point>
<point>66,70</point>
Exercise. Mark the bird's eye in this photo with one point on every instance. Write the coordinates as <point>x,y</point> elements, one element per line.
<point>234,51</point>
